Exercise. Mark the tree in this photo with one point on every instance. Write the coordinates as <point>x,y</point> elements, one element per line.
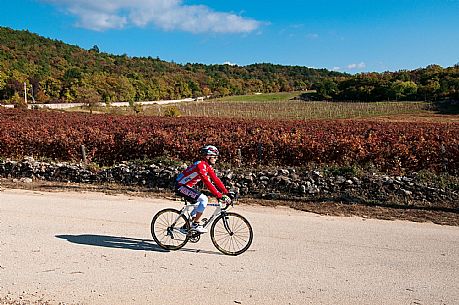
<point>89,96</point>
<point>13,89</point>
<point>3,82</point>
<point>326,89</point>
<point>61,69</point>
<point>3,79</point>
<point>51,88</point>
<point>404,89</point>
<point>206,91</point>
<point>182,89</point>
<point>430,90</point>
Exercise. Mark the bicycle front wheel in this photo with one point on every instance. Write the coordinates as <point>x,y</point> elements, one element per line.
<point>231,234</point>
<point>170,229</point>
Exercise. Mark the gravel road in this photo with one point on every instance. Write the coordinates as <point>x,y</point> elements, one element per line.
<point>92,248</point>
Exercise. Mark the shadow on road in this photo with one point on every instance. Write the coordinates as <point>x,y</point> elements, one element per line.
<point>112,242</point>
<point>123,243</point>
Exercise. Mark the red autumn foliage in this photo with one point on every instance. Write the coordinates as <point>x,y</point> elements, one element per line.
<point>387,145</point>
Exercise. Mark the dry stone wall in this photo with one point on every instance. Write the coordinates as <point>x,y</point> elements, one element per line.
<point>278,183</point>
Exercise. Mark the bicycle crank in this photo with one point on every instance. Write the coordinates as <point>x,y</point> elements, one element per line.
<point>194,236</point>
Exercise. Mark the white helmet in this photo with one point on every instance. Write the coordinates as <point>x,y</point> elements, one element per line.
<point>209,150</point>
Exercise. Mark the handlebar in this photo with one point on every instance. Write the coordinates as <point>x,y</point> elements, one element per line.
<point>234,199</point>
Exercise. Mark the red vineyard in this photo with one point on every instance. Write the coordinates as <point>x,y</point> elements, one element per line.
<point>109,139</point>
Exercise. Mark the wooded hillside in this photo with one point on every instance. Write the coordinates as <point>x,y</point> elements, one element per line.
<point>57,72</point>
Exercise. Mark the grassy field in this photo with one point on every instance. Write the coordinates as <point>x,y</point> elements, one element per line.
<point>265,97</point>
<point>296,109</point>
<point>283,106</point>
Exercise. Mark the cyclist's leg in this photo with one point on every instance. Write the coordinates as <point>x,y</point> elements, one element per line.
<point>197,212</point>
<point>193,196</point>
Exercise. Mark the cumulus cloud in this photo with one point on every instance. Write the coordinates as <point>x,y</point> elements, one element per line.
<point>168,15</point>
<point>356,66</point>
<point>229,63</point>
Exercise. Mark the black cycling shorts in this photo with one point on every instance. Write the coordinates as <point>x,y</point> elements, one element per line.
<point>187,192</point>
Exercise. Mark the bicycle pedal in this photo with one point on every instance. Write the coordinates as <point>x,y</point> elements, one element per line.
<point>194,236</point>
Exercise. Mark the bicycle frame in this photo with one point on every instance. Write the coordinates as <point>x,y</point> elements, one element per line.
<point>219,209</point>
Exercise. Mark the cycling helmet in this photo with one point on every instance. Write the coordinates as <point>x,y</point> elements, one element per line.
<point>209,150</point>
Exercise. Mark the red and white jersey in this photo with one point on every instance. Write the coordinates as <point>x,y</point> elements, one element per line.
<point>201,170</point>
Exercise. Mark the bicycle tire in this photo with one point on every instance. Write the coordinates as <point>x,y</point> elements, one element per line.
<point>166,236</point>
<point>235,242</point>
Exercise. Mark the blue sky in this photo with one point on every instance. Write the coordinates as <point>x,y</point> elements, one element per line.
<point>349,36</point>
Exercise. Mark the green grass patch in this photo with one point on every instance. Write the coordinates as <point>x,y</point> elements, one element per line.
<point>264,97</point>
<point>441,180</point>
<point>346,171</point>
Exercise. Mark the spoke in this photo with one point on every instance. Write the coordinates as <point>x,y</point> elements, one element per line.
<point>230,244</point>
<point>224,244</point>
<point>164,237</point>
<point>222,238</point>
<point>232,223</point>
<point>163,225</point>
<point>239,226</point>
<point>242,231</point>
<point>236,245</point>
<point>234,237</point>
<point>220,229</point>
<point>236,240</point>
<point>163,222</point>
<point>220,232</point>
<point>240,238</point>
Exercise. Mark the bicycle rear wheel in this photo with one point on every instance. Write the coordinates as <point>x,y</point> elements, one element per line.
<point>170,229</point>
<point>231,234</point>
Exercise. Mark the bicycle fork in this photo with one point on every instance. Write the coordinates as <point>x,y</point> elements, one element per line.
<point>226,225</point>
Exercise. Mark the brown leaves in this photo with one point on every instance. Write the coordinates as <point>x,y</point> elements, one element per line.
<point>388,146</point>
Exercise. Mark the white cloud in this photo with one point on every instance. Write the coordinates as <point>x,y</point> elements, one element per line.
<point>168,15</point>
<point>312,36</point>
<point>229,63</point>
<point>356,66</point>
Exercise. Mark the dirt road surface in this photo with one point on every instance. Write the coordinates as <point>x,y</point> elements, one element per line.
<point>92,248</point>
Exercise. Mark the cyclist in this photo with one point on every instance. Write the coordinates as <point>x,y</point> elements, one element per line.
<point>201,170</point>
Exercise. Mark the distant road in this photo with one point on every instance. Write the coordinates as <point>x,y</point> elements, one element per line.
<point>91,248</point>
<point>114,104</point>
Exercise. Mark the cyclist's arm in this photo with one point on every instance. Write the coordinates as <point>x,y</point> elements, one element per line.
<point>217,181</point>
<point>208,183</point>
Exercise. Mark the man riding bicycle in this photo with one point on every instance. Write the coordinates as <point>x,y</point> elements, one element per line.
<point>201,170</point>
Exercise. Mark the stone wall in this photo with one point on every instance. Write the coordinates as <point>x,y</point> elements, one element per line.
<point>279,183</point>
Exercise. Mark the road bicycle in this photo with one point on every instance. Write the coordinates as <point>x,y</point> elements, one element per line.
<point>230,232</point>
